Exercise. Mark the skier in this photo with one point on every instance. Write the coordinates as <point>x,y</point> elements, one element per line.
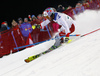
<point>66,22</point>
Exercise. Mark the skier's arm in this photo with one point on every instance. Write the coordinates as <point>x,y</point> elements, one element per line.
<point>41,25</point>
<point>64,23</point>
<point>44,23</point>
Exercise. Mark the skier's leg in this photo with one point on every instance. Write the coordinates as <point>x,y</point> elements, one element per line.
<point>62,33</point>
<point>72,29</point>
<point>57,41</point>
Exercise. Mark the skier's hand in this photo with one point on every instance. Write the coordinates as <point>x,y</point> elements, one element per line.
<point>38,26</point>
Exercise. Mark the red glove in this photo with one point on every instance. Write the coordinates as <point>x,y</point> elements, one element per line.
<point>67,35</point>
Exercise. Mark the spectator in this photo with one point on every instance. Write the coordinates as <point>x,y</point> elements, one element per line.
<point>69,7</point>
<point>60,8</point>
<point>26,29</point>
<point>86,5</point>
<point>79,8</point>
<point>69,11</point>
<point>54,9</point>
<point>33,18</point>
<point>26,20</point>
<point>36,31</point>
<point>14,23</point>
<point>3,26</point>
<point>98,6</point>
<point>79,5</point>
<point>93,4</point>
<point>20,21</point>
<point>7,25</point>
<point>40,17</point>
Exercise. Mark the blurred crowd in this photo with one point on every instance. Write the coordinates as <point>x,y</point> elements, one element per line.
<point>32,20</point>
<point>80,7</point>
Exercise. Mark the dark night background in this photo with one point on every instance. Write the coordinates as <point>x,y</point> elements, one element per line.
<point>22,8</point>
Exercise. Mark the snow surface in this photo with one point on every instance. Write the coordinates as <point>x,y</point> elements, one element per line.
<point>79,58</point>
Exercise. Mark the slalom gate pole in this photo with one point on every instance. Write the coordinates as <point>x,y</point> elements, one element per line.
<point>43,41</point>
<point>14,40</point>
<point>91,32</point>
<point>47,29</point>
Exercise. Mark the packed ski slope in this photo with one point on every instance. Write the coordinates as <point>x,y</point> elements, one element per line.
<point>79,58</point>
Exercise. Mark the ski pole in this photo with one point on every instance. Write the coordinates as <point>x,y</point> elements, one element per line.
<point>37,43</point>
<point>91,32</point>
<point>75,35</point>
<point>43,41</point>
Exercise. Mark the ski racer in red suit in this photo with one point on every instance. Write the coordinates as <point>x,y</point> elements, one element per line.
<point>66,22</point>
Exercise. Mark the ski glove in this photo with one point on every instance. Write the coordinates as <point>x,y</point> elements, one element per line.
<point>36,26</point>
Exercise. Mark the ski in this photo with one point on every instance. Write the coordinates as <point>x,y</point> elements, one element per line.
<point>31,58</point>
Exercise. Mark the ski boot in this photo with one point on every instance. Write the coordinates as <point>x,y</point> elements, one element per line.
<point>66,39</point>
<point>61,40</point>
